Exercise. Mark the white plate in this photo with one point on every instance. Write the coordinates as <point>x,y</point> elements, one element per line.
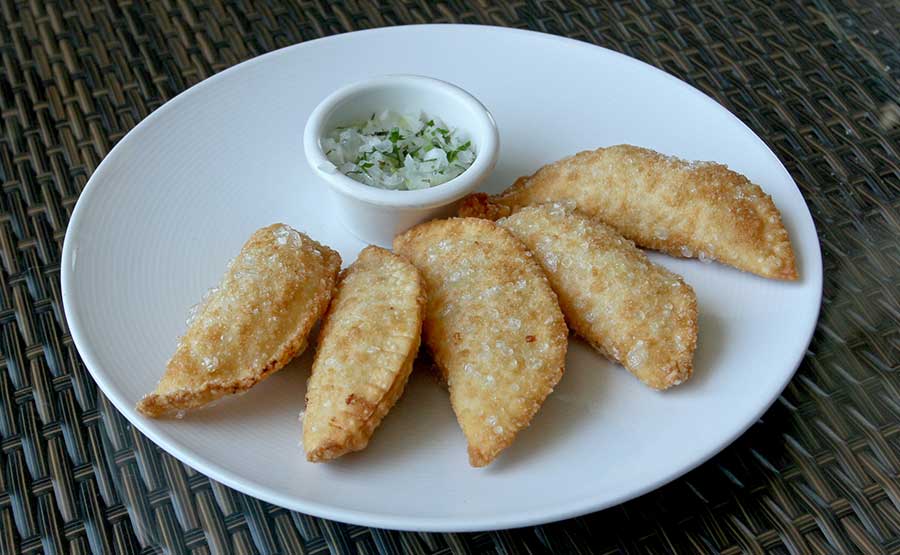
<point>177,197</point>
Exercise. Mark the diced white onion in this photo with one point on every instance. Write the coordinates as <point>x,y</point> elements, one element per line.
<point>399,151</point>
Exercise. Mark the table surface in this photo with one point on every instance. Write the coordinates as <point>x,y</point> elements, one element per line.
<point>817,80</point>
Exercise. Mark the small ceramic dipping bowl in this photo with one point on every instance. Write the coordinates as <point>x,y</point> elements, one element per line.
<point>377,215</point>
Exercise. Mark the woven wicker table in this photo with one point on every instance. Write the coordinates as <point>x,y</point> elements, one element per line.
<point>820,472</point>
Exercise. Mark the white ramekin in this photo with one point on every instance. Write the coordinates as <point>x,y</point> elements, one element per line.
<point>377,215</point>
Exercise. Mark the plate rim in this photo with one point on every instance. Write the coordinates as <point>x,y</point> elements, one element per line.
<point>513,519</point>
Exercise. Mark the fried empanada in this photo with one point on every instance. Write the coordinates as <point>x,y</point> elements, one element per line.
<point>686,209</point>
<point>493,325</point>
<point>630,309</point>
<point>369,339</point>
<point>252,324</point>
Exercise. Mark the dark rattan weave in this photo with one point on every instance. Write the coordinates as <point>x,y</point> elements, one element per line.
<point>820,473</point>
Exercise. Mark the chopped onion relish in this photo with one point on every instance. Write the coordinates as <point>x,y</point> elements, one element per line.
<point>399,151</point>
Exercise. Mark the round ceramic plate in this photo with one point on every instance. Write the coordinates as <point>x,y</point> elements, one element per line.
<point>177,197</point>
